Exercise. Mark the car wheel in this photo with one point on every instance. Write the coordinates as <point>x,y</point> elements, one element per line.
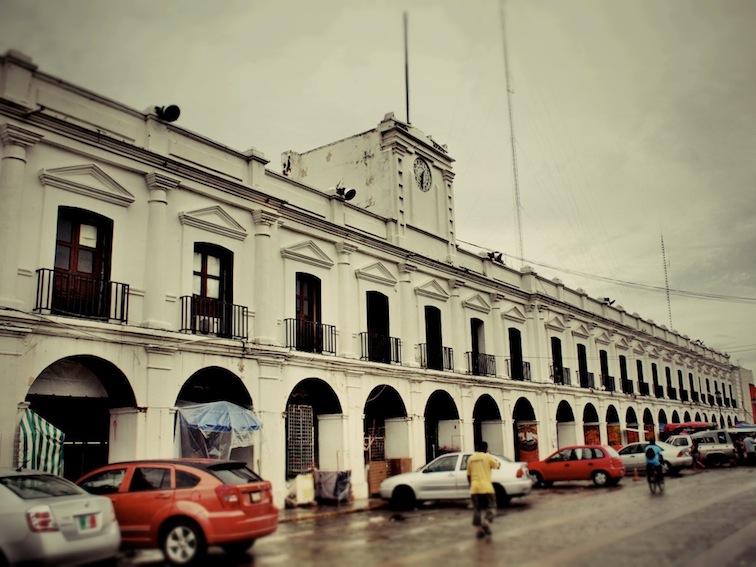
<point>403,498</point>
<point>666,468</point>
<point>537,479</point>
<point>183,543</point>
<point>600,478</point>
<point>502,498</point>
<point>238,547</point>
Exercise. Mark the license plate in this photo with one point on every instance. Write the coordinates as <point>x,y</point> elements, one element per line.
<point>255,496</point>
<point>87,522</point>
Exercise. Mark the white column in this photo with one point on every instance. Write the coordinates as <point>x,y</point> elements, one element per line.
<point>156,260</point>
<point>457,341</point>
<point>497,335</point>
<point>15,142</point>
<point>265,309</point>
<point>409,316</point>
<point>347,301</point>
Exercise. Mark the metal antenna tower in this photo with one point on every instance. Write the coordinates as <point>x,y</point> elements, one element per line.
<point>666,282</point>
<point>510,92</point>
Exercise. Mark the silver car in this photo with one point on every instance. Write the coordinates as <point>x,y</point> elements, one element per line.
<point>47,520</point>
<point>633,456</point>
<point>445,478</point>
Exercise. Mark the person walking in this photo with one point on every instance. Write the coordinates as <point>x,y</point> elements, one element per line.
<point>750,452</point>
<point>696,454</point>
<point>482,493</point>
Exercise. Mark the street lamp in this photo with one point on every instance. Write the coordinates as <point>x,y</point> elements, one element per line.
<point>718,396</point>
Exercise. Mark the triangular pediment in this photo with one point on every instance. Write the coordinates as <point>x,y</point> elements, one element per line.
<point>639,348</point>
<point>376,273</point>
<point>654,352</point>
<point>603,338</point>
<point>556,323</point>
<point>214,219</point>
<point>308,253</point>
<point>87,179</point>
<point>432,289</point>
<point>476,302</point>
<point>515,314</point>
<point>581,331</point>
<point>623,344</point>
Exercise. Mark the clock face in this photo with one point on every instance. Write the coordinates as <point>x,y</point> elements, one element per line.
<point>422,175</point>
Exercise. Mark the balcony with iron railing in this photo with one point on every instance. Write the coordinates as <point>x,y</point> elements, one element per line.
<point>207,316</point>
<point>519,372</point>
<point>684,395</point>
<point>608,383</point>
<point>61,293</point>
<point>377,347</point>
<point>644,388</point>
<point>309,336</point>
<point>734,404</point>
<point>727,402</point>
<point>694,397</point>
<point>658,390</point>
<point>671,393</point>
<point>481,364</point>
<point>586,379</point>
<point>561,376</point>
<point>627,386</point>
<point>436,357</point>
<point>710,398</point>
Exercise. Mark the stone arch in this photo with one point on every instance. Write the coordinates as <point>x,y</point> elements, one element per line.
<point>525,431</point>
<point>314,423</point>
<point>487,424</point>
<point>76,386</point>
<point>443,431</point>
<point>385,425</point>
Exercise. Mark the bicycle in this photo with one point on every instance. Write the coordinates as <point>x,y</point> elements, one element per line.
<point>655,476</point>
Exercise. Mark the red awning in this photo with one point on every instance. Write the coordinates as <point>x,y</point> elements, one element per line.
<point>673,428</point>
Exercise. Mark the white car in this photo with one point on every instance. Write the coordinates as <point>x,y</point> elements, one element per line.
<point>47,520</point>
<point>633,456</point>
<point>445,478</point>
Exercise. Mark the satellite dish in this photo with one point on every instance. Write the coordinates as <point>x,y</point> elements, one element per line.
<point>168,113</point>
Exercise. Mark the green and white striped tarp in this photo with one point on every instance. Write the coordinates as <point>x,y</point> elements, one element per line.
<point>41,444</point>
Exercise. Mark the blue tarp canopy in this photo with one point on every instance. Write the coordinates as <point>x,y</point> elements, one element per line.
<point>212,429</point>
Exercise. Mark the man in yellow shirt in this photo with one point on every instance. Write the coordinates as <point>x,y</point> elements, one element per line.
<point>479,467</point>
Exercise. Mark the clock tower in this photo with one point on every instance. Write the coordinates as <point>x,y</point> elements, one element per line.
<point>398,173</point>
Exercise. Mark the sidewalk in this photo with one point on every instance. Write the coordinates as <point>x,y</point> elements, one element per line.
<point>325,510</point>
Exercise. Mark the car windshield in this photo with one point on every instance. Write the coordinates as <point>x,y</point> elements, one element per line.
<point>234,473</point>
<point>33,486</point>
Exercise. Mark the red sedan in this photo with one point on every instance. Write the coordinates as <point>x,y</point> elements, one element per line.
<point>598,463</point>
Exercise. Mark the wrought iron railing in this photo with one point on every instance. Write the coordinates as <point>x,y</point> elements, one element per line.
<point>376,347</point>
<point>436,357</point>
<point>658,390</point>
<point>684,395</point>
<point>308,336</point>
<point>81,296</point>
<point>694,396</point>
<point>207,316</point>
<point>587,379</point>
<point>520,372</point>
<point>710,398</point>
<point>671,393</point>
<point>644,388</point>
<point>481,364</point>
<point>608,383</point>
<point>561,376</point>
<point>627,386</point>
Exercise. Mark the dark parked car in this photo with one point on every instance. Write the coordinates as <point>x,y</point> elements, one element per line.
<point>182,506</point>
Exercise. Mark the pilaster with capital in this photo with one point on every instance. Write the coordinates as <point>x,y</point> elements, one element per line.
<point>410,315</point>
<point>159,186</point>
<point>264,308</point>
<point>457,324</point>
<point>347,300</point>
<point>15,143</point>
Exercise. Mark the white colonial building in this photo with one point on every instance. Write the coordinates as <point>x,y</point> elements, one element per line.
<point>143,267</point>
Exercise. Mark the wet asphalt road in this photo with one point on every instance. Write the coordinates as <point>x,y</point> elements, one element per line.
<point>703,519</point>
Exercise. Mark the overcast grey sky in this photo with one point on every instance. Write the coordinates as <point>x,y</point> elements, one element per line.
<point>632,119</point>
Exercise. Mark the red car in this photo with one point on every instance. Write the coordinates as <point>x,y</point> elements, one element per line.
<point>598,463</point>
<point>182,506</point>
